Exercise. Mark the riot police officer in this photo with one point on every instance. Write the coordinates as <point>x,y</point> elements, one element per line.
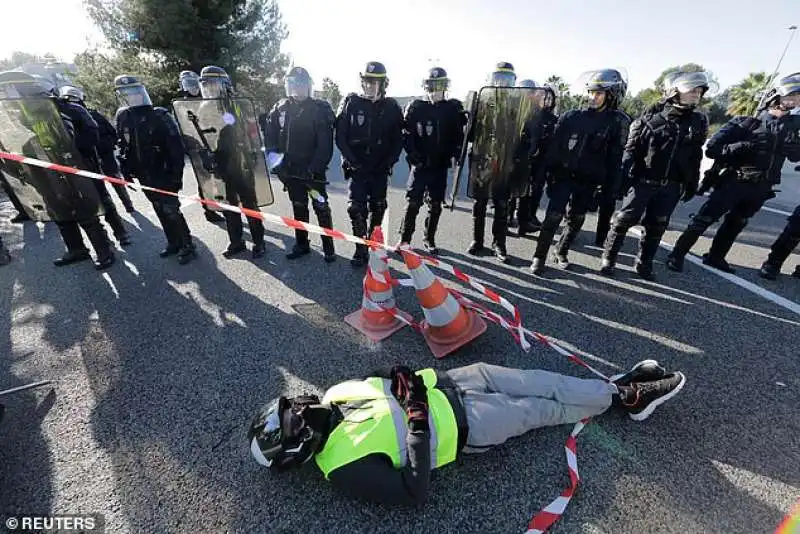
<point>752,151</point>
<point>369,134</point>
<point>106,143</point>
<point>151,151</point>
<point>189,87</point>
<point>783,246</point>
<point>86,136</point>
<point>300,129</point>
<point>502,76</point>
<point>585,155</point>
<point>214,84</point>
<point>433,134</point>
<point>662,155</point>
<point>58,128</point>
<point>537,133</point>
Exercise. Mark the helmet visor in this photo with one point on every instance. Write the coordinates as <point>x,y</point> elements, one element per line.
<point>134,96</point>
<point>212,87</point>
<point>190,86</point>
<point>688,81</point>
<point>789,85</point>
<point>298,87</point>
<point>503,79</point>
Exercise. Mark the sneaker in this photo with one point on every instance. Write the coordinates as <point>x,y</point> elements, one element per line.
<point>500,253</point>
<point>561,260</point>
<point>475,248</point>
<point>644,371</point>
<point>430,246</point>
<point>171,250</point>
<point>645,272</point>
<point>537,266</point>
<point>651,395</point>
<point>298,251</point>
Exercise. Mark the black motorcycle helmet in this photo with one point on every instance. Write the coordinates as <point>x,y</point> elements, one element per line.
<point>375,71</point>
<point>436,82</point>
<point>279,436</point>
<point>612,82</point>
<point>786,86</point>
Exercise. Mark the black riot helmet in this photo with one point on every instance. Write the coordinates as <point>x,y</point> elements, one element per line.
<point>436,84</point>
<point>130,91</point>
<point>374,80</point>
<point>503,75</point>
<point>785,94</point>
<point>298,84</point>
<point>72,94</point>
<point>680,83</point>
<point>550,98</point>
<point>215,82</point>
<point>189,82</point>
<point>609,80</point>
<point>280,437</point>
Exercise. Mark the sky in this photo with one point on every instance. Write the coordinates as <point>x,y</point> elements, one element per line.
<point>335,38</point>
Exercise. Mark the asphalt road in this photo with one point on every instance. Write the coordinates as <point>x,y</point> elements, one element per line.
<point>158,369</point>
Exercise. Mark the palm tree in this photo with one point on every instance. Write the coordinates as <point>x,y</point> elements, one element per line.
<point>744,95</point>
<point>558,84</point>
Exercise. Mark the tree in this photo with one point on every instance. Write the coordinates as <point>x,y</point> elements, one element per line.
<point>744,95</point>
<point>163,38</point>
<point>331,92</point>
<point>558,84</point>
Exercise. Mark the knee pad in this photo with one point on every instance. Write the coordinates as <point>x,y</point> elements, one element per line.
<point>701,222</point>
<point>551,220</point>
<point>378,205</point>
<point>357,209</point>
<point>321,208</point>
<point>575,222</point>
<point>414,204</point>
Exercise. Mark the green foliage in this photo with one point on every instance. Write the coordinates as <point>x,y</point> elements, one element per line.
<point>331,92</point>
<point>744,95</point>
<point>156,39</point>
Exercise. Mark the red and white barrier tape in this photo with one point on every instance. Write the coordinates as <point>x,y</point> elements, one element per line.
<point>286,222</point>
<point>548,516</point>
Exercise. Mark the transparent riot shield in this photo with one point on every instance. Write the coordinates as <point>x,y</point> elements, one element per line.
<point>33,127</point>
<point>223,141</point>
<point>500,115</point>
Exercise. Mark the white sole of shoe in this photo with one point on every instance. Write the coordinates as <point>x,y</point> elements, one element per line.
<point>644,414</point>
<point>614,378</point>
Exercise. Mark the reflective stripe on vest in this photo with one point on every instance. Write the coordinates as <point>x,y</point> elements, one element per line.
<point>376,423</point>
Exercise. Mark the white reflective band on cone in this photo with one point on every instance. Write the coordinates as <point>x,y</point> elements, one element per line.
<point>442,314</point>
<point>423,277</point>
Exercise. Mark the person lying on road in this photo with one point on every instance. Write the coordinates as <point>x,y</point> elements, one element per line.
<point>379,438</point>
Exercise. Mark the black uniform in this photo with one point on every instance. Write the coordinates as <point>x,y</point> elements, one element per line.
<point>370,137</point>
<point>662,158</point>
<point>537,134</point>
<point>585,155</point>
<point>751,152</point>
<point>84,130</point>
<point>107,142</point>
<point>151,151</point>
<point>433,135</point>
<point>787,241</point>
<point>303,131</point>
<point>605,204</point>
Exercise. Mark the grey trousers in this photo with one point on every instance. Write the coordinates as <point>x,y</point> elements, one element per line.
<point>502,403</point>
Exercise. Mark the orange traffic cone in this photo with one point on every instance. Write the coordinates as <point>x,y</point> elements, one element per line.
<point>377,318</point>
<point>447,325</point>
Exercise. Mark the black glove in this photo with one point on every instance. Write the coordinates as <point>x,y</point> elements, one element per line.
<point>208,160</point>
<point>417,404</point>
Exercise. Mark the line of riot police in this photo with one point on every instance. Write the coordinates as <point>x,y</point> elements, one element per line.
<point>507,135</point>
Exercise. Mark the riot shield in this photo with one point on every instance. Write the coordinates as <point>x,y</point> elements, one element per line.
<point>469,107</point>
<point>33,127</point>
<point>494,158</point>
<point>223,141</point>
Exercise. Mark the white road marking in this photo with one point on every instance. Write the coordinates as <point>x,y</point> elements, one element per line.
<point>775,210</point>
<point>744,284</point>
